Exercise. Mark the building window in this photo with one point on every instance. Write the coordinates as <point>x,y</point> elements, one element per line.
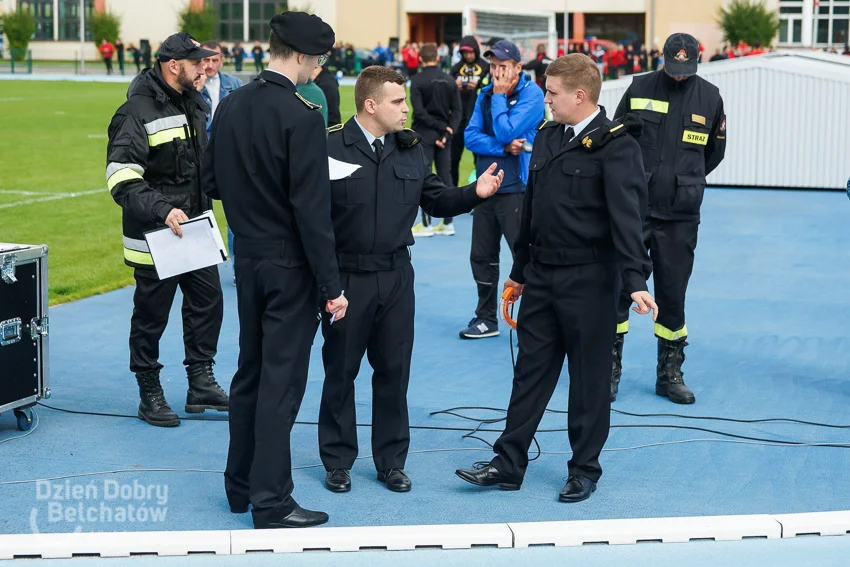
<point>259,13</point>
<point>791,23</point>
<point>69,20</point>
<point>231,18</point>
<point>230,15</point>
<point>42,11</point>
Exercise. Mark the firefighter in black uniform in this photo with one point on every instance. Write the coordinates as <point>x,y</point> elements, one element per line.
<point>153,161</point>
<point>268,163</point>
<point>683,140</point>
<point>373,210</point>
<point>580,233</point>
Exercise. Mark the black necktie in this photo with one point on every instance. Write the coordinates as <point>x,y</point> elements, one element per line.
<point>379,149</point>
<point>568,135</point>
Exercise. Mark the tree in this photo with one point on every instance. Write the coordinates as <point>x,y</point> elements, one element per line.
<point>200,24</point>
<point>105,25</point>
<point>749,21</point>
<point>19,27</point>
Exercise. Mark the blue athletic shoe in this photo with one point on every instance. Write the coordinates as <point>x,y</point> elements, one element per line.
<point>480,329</point>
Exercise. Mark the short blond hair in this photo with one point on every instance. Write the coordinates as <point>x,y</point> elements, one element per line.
<point>578,71</point>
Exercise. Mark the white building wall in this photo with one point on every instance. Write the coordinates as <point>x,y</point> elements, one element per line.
<point>153,20</point>
<point>787,119</point>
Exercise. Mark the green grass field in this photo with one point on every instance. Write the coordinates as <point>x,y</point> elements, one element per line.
<point>52,185</point>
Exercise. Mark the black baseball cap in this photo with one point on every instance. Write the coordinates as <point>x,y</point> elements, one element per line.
<point>183,46</point>
<point>681,55</point>
<point>504,50</point>
<point>303,32</point>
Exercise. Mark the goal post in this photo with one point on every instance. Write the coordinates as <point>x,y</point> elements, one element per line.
<point>526,29</point>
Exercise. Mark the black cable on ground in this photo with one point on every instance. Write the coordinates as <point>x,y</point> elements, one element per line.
<point>480,429</point>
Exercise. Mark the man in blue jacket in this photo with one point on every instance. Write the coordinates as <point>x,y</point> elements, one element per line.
<point>502,129</point>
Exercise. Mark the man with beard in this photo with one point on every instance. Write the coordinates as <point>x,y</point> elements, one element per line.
<point>156,140</point>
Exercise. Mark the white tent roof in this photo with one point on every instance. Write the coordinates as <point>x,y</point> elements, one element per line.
<point>788,114</point>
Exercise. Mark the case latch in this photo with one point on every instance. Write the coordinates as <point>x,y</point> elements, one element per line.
<point>39,327</point>
<point>10,331</point>
<point>7,269</point>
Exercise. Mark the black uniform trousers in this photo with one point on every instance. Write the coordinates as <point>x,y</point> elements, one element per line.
<point>379,323</point>
<point>278,307</point>
<point>671,246</point>
<point>496,217</point>
<point>203,309</point>
<point>565,311</point>
<point>442,159</point>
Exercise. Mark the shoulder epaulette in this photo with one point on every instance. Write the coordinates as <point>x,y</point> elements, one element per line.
<point>546,124</point>
<point>594,140</point>
<point>335,128</point>
<point>407,138</point>
<point>310,105</point>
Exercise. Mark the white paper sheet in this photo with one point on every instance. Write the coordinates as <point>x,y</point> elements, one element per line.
<point>340,169</point>
<point>200,247</point>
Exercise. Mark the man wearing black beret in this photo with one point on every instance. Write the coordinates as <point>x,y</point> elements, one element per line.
<point>268,163</point>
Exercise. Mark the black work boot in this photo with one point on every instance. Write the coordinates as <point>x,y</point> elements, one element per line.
<point>670,382</point>
<point>617,367</point>
<point>204,392</point>
<point>153,408</point>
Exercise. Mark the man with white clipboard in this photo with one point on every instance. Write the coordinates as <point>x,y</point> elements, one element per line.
<point>156,140</point>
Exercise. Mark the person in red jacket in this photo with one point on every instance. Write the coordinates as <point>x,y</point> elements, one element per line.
<point>411,59</point>
<point>106,50</point>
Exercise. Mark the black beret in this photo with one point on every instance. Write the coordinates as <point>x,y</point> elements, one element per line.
<point>305,33</point>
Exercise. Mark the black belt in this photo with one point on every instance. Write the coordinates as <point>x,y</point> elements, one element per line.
<point>570,256</point>
<point>260,248</point>
<point>373,262</point>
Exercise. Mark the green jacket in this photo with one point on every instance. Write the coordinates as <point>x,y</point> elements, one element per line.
<point>314,94</point>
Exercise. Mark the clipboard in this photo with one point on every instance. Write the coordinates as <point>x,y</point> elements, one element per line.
<point>200,247</point>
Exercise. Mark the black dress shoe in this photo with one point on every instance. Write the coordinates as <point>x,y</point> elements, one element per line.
<point>238,508</point>
<point>487,476</point>
<point>578,488</point>
<point>338,480</point>
<point>298,518</point>
<point>396,480</point>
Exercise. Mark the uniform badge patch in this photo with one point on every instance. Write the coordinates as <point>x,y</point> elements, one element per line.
<point>723,125</point>
<point>682,56</point>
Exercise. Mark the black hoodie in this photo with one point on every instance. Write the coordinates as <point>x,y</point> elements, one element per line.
<point>473,76</point>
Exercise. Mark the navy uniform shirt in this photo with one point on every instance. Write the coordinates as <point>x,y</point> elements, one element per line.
<point>267,162</point>
<point>375,207</point>
<point>583,202</point>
